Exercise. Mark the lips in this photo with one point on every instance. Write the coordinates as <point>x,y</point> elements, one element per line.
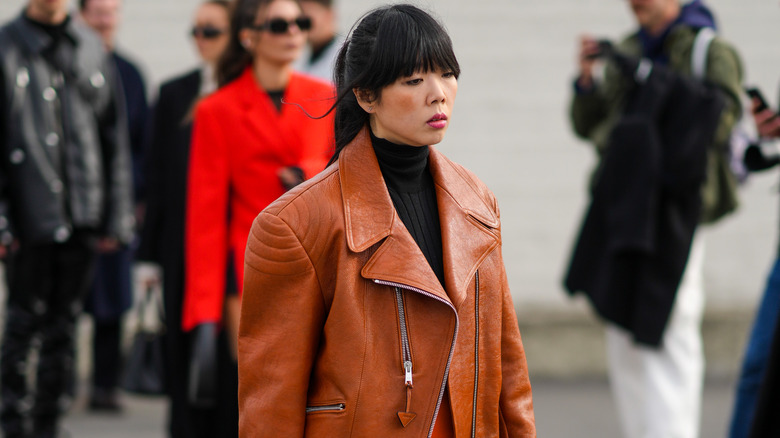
<point>438,121</point>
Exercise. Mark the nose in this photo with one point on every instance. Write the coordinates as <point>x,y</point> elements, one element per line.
<point>436,93</point>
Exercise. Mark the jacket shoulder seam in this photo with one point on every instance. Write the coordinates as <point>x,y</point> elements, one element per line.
<point>300,244</point>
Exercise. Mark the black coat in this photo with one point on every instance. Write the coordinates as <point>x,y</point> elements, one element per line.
<point>162,242</point>
<point>112,294</point>
<point>634,242</point>
<point>162,237</point>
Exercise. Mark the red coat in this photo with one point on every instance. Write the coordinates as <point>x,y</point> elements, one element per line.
<point>239,143</point>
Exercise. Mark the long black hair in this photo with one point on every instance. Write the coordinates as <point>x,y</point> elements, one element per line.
<point>387,43</point>
<point>236,58</point>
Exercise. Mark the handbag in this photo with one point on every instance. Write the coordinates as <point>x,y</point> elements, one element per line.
<point>144,368</point>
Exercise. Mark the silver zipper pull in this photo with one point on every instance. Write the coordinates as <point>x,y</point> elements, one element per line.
<point>408,369</point>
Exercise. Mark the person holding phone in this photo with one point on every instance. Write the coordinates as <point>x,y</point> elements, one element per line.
<point>657,385</point>
<point>759,157</point>
<point>375,300</point>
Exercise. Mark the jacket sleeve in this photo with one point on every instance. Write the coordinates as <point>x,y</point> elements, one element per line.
<point>588,109</point>
<point>206,219</point>
<point>119,219</point>
<point>724,69</point>
<point>154,161</point>
<point>6,229</point>
<point>316,154</point>
<point>282,317</point>
<point>516,405</point>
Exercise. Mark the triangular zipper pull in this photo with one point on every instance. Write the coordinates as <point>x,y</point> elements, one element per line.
<point>407,417</point>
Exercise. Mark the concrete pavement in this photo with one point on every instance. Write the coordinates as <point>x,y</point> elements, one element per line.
<point>564,409</point>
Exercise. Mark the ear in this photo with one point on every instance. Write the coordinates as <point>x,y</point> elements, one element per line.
<point>364,99</point>
<point>245,37</point>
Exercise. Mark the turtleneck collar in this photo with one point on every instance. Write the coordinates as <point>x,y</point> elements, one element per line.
<point>55,31</point>
<point>404,167</point>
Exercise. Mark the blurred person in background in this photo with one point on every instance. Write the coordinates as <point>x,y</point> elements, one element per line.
<point>65,194</point>
<point>323,46</point>
<point>656,376</point>
<point>111,293</point>
<point>161,251</point>
<point>252,140</point>
<point>757,375</point>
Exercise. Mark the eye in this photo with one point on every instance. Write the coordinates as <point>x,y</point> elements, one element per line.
<point>414,81</point>
<point>449,74</point>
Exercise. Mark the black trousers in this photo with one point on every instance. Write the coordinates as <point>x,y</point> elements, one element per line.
<point>46,287</point>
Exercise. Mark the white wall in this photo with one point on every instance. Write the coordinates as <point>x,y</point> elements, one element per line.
<point>511,127</point>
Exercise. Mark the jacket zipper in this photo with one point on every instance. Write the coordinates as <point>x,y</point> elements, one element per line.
<point>476,356</point>
<point>406,359</point>
<point>335,407</point>
<point>408,370</point>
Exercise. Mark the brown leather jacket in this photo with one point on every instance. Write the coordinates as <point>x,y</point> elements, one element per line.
<point>339,302</point>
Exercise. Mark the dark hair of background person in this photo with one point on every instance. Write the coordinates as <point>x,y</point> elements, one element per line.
<point>326,3</point>
<point>236,58</point>
<point>224,3</point>
<point>387,43</point>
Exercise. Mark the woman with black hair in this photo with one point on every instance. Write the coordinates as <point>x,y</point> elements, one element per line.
<point>375,296</point>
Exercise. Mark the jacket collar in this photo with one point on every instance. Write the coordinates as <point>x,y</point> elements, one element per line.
<point>469,226</point>
<point>35,39</point>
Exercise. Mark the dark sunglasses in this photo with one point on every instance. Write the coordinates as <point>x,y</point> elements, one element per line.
<point>281,26</point>
<point>206,32</point>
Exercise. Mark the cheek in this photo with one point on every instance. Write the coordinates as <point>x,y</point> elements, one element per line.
<point>403,104</point>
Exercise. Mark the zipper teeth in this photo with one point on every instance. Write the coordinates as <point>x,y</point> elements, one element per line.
<point>407,353</point>
<point>476,357</point>
<point>452,346</point>
<point>336,407</point>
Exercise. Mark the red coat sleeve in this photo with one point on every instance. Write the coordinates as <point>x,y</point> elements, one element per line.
<point>206,227</point>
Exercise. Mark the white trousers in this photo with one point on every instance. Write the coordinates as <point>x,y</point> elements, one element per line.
<point>658,391</point>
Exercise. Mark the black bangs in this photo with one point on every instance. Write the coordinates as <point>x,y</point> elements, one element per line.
<point>409,40</point>
<point>387,43</point>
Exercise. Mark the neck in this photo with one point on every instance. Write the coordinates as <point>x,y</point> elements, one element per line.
<point>271,76</point>
<point>665,20</point>
<point>320,44</point>
<point>46,17</point>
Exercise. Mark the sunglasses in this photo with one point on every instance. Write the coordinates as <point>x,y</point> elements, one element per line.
<point>206,32</point>
<point>280,26</point>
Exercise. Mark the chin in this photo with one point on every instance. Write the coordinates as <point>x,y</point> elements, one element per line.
<point>436,139</point>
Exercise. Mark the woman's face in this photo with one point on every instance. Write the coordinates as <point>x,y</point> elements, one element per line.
<point>211,31</point>
<point>277,48</point>
<point>414,110</point>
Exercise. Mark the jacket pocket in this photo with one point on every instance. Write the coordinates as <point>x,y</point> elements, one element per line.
<point>329,408</point>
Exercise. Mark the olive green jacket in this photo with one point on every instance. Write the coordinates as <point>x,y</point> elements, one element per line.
<point>595,113</point>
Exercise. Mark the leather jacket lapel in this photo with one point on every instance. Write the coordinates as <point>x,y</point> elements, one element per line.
<point>371,217</point>
<point>469,226</point>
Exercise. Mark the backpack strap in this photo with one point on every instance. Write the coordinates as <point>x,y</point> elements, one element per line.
<point>701,45</point>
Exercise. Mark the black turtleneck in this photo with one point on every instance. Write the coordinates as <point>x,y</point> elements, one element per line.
<point>406,174</point>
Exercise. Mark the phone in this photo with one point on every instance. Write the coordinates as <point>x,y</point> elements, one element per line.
<point>755,93</point>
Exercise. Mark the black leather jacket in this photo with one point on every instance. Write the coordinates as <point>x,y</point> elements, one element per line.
<point>64,154</point>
